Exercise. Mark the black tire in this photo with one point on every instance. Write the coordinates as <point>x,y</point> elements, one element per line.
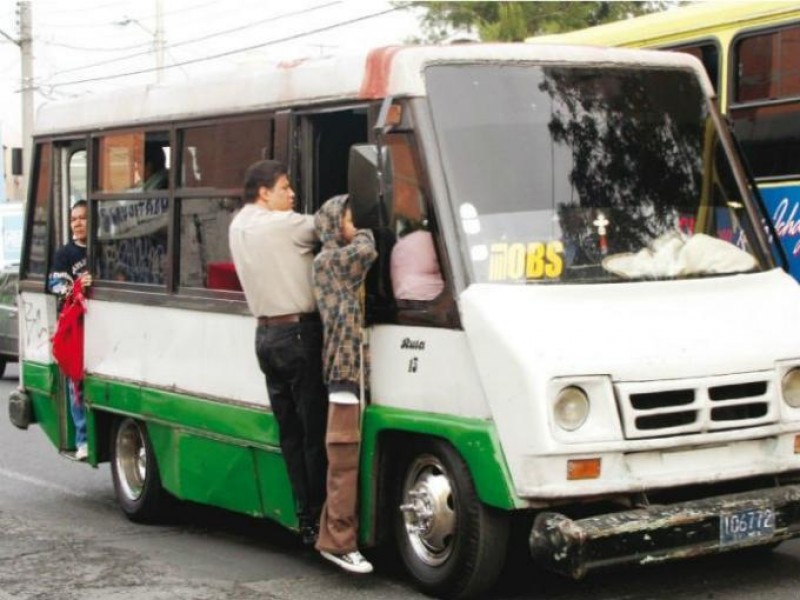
<point>137,483</point>
<point>452,545</point>
<point>3,363</point>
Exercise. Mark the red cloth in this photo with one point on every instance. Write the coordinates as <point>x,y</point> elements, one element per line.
<point>222,276</point>
<point>68,337</point>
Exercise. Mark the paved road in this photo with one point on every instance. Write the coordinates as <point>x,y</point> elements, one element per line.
<point>62,537</point>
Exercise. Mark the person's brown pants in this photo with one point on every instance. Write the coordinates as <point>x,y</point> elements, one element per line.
<point>339,523</point>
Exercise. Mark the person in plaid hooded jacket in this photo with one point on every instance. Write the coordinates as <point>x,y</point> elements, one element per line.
<point>338,275</point>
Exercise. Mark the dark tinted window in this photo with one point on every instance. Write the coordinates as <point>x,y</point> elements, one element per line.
<point>768,81</point>
<point>217,155</point>
<point>38,239</point>
<point>709,55</point>
<point>768,66</point>
<point>770,137</point>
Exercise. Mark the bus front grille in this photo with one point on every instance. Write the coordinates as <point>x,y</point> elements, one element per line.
<point>682,407</point>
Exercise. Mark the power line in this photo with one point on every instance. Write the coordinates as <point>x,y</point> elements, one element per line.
<point>96,48</point>
<point>74,10</point>
<point>207,37</point>
<point>116,5</point>
<point>230,52</point>
<point>9,38</point>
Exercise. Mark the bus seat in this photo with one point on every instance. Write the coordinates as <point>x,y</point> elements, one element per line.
<point>222,276</point>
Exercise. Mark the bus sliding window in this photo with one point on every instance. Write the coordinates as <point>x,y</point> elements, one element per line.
<point>131,242</point>
<point>205,259</point>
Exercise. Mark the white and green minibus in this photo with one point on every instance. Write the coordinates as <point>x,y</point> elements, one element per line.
<point>612,366</point>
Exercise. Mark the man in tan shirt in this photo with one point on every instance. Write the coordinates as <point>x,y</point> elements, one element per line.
<point>272,246</point>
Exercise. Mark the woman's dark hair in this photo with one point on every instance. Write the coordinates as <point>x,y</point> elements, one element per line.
<point>264,173</point>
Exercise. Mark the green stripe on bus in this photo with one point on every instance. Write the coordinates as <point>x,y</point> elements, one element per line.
<point>41,382</point>
<point>228,455</point>
<point>217,418</point>
<point>475,439</point>
<point>208,451</point>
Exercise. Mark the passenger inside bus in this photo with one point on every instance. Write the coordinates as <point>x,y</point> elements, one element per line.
<point>156,174</point>
<point>415,267</point>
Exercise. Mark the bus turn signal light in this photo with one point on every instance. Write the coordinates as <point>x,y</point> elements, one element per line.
<point>585,468</point>
<point>797,444</point>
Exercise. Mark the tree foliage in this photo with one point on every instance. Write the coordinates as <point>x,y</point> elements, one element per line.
<point>514,21</point>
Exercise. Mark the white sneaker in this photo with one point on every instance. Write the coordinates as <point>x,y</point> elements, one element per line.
<point>352,561</point>
<point>82,453</point>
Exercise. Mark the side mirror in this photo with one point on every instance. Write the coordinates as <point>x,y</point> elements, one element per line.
<point>369,183</point>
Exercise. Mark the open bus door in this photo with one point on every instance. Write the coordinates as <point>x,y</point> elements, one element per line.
<point>60,182</point>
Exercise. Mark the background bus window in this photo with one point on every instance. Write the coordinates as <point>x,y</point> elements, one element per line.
<point>38,238</point>
<point>768,66</point>
<point>131,242</point>
<point>133,161</point>
<point>708,54</point>
<point>768,81</point>
<point>205,259</point>
<point>217,155</point>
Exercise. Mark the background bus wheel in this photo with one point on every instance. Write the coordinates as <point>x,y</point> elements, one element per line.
<point>451,544</point>
<point>133,465</point>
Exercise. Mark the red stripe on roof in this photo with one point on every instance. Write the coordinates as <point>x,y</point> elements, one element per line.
<point>376,72</point>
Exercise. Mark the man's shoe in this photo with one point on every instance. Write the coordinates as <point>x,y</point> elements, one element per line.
<point>82,453</point>
<point>309,534</point>
<point>354,562</point>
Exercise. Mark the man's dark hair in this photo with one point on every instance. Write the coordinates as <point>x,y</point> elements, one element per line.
<point>262,173</point>
<point>78,204</point>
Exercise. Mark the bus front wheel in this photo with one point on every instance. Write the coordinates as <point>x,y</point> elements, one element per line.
<point>137,483</point>
<point>451,544</point>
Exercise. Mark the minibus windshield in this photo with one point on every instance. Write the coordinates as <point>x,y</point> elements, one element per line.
<point>587,174</point>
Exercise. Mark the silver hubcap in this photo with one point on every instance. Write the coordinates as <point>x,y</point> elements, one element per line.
<point>131,459</point>
<point>429,510</point>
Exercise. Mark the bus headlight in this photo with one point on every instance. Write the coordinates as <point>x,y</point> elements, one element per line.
<point>790,386</point>
<point>572,407</point>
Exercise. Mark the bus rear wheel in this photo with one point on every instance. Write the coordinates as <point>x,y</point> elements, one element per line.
<point>451,544</point>
<point>137,483</point>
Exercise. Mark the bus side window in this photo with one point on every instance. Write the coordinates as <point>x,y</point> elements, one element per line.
<point>418,283</point>
<point>764,105</point>
<point>708,54</point>
<point>132,220</point>
<point>35,261</point>
<point>214,158</point>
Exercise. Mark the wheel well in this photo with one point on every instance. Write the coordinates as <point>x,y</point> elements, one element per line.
<point>392,448</point>
<point>103,428</point>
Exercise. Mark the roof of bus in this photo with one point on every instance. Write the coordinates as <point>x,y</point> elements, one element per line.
<point>375,74</point>
<point>690,21</point>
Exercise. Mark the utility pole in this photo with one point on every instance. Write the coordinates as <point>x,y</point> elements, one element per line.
<point>159,41</point>
<point>26,52</point>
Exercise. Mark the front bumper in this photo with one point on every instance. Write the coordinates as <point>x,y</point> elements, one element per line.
<point>658,533</point>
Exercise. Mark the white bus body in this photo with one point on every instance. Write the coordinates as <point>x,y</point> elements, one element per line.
<point>548,379</point>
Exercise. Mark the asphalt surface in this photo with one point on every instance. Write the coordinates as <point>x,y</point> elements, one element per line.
<point>63,537</point>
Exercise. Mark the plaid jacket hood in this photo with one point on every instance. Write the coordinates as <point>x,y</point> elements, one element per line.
<point>338,273</point>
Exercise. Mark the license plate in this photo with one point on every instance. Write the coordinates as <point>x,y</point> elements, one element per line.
<point>750,524</point>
